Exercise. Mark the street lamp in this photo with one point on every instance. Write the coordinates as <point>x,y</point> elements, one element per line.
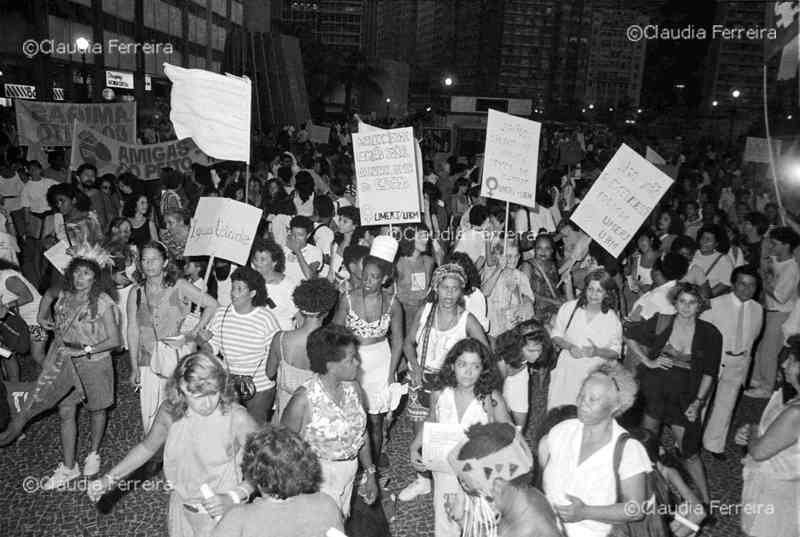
<point>735,94</point>
<point>83,46</point>
<point>591,107</point>
<point>388,103</point>
<point>448,81</point>
<point>714,103</point>
<point>638,110</point>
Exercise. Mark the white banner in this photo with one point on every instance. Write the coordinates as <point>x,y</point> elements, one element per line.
<point>386,175</point>
<point>223,228</point>
<point>757,149</point>
<point>622,197</point>
<point>511,158</point>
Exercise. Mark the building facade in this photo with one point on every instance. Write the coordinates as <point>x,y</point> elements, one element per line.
<point>335,23</point>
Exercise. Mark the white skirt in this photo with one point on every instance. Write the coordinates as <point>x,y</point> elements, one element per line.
<point>373,375</point>
<point>567,378</point>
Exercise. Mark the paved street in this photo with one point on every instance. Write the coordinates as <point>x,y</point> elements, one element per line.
<point>142,513</point>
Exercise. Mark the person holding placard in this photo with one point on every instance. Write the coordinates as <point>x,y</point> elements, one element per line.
<point>509,296</point>
<point>589,332</point>
<point>467,393</point>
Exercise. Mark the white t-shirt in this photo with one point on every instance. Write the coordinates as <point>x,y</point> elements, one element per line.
<point>475,303</point>
<point>592,480</point>
<point>311,254</point>
<point>281,294</point>
<point>720,272</point>
<point>34,195</point>
<point>515,391</point>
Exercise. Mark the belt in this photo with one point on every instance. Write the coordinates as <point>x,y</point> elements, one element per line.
<point>735,354</point>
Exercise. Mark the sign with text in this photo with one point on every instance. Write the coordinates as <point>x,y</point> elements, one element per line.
<point>386,173</point>
<point>757,149</point>
<point>223,228</point>
<point>119,79</point>
<point>50,124</point>
<point>511,158</point>
<point>622,197</point>
<point>143,161</point>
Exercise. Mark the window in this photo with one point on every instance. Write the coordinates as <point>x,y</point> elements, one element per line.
<point>119,8</point>
<point>64,31</point>
<point>236,12</point>
<point>175,22</point>
<point>150,13</point>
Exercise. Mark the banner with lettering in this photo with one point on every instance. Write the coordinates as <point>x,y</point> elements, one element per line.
<point>386,174</point>
<point>223,228</point>
<point>511,158</point>
<point>621,198</point>
<point>143,161</point>
<point>51,124</point>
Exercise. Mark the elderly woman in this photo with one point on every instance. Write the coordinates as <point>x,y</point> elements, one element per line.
<point>328,411</point>
<point>288,358</point>
<point>771,470</point>
<point>589,332</point>
<point>577,456</point>
<point>287,473</point>
<point>438,326</point>
<point>679,357</point>
<point>203,431</point>
<point>242,333</point>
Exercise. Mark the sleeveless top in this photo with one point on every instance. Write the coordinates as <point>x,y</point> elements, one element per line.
<point>368,329</point>
<point>84,327</point>
<point>782,466</point>
<point>439,342</point>
<point>334,433</point>
<point>447,411</point>
<point>289,377</point>
<point>166,316</point>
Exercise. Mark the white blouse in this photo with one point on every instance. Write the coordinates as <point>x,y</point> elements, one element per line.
<point>604,330</point>
<point>592,480</point>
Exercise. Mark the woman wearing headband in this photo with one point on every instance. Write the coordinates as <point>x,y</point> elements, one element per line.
<point>288,357</point>
<point>435,329</point>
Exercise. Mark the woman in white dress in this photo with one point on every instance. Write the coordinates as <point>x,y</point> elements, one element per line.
<point>589,332</point>
<point>468,394</point>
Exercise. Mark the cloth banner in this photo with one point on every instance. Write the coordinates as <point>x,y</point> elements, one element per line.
<point>511,158</point>
<point>212,109</point>
<point>621,198</point>
<point>144,161</point>
<point>757,149</point>
<point>51,124</point>
<point>223,228</point>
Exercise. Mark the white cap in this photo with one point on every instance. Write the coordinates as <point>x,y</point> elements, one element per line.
<point>384,247</point>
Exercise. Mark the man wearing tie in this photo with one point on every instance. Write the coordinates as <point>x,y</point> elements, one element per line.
<point>738,318</point>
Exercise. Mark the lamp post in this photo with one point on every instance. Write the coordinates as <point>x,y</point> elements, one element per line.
<point>388,103</point>
<point>83,45</point>
<point>735,94</point>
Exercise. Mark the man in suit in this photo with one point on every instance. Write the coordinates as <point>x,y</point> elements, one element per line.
<point>739,319</point>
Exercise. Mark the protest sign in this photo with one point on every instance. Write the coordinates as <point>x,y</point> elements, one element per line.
<point>386,173</point>
<point>319,134</point>
<point>143,161</point>
<point>58,256</point>
<point>757,149</point>
<point>223,228</point>
<point>621,198</point>
<point>511,158</point>
<point>51,124</point>
<point>654,157</point>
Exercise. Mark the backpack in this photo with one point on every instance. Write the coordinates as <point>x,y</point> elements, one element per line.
<point>653,524</point>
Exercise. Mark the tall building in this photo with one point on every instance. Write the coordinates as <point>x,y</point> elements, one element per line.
<point>735,63</point>
<point>616,65</point>
<point>185,33</point>
<point>393,23</point>
<point>336,23</point>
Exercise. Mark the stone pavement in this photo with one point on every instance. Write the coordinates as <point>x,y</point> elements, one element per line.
<point>141,512</point>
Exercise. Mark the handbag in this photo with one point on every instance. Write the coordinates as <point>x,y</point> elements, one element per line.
<point>14,334</point>
<point>164,358</point>
<point>652,525</point>
<point>418,402</point>
<point>244,385</point>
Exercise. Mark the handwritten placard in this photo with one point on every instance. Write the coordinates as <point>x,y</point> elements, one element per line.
<point>511,158</point>
<point>757,149</point>
<point>624,194</point>
<point>223,228</point>
<point>58,256</point>
<point>386,172</point>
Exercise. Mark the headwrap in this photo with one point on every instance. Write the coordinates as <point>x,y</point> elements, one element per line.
<point>448,270</point>
<point>508,463</point>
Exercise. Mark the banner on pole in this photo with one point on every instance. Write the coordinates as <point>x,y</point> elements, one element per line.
<point>757,149</point>
<point>223,228</point>
<point>51,124</point>
<point>143,161</point>
<point>624,194</point>
<point>511,158</point>
<point>386,175</point>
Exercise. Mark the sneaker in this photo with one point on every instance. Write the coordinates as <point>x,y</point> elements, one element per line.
<point>62,476</point>
<point>91,465</point>
<point>757,393</point>
<point>418,487</point>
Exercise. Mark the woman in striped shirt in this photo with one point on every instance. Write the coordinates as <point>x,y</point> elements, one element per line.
<point>242,333</point>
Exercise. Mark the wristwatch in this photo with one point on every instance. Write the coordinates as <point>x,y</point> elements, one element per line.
<point>88,349</point>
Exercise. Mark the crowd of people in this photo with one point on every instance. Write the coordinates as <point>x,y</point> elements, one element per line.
<point>267,389</point>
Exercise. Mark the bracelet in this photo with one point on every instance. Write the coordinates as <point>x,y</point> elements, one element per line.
<point>233,496</point>
<point>370,469</point>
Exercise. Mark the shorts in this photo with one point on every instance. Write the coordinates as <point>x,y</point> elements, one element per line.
<point>97,377</point>
<point>37,333</point>
<point>419,398</point>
